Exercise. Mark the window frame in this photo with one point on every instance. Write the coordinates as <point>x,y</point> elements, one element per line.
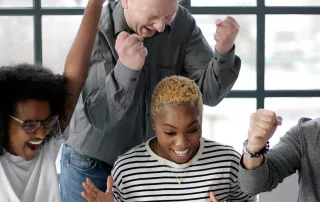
<point>260,11</point>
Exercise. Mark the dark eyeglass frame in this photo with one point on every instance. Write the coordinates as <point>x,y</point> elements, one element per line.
<point>25,123</point>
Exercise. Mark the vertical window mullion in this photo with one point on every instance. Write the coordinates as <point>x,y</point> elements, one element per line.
<point>260,53</point>
<point>37,32</point>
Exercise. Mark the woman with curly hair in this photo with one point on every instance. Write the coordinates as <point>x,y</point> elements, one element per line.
<point>35,109</point>
<point>178,164</point>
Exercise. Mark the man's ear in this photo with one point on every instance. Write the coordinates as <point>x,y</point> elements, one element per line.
<point>124,4</point>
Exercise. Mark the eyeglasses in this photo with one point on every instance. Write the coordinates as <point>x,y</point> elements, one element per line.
<point>30,126</point>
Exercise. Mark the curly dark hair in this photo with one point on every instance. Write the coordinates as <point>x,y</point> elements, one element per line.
<point>21,82</point>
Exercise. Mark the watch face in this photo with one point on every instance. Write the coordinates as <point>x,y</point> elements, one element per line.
<point>245,143</point>
<point>247,153</point>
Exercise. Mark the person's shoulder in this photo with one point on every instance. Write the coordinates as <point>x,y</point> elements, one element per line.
<point>182,11</point>
<point>216,148</point>
<point>140,149</point>
<point>183,18</point>
<point>184,14</point>
<point>309,122</point>
<point>308,127</point>
<point>214,144</point>
<point>133,153</point>
<point>106,14</point>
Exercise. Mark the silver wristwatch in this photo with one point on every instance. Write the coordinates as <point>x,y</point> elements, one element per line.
<point>246,152</point>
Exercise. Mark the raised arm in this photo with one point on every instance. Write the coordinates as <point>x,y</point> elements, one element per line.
<point>78,59</point>
<point>110,87</point>
<point>262,174</point>
<point>215,72</point>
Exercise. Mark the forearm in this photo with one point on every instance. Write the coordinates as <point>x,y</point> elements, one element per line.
<point>252,163</point>
<point>219,78</point>
<point>78,58</point>
<point>281,161</point>
<point>254,181</point>
<point>120,88</point>
<point>274,168</point>
<point>107,98</point>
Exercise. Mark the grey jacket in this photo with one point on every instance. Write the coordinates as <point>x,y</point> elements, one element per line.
<point>298,150</point>
<point>112,114</point>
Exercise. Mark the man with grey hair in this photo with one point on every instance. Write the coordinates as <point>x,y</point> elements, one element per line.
<point>139,42</point>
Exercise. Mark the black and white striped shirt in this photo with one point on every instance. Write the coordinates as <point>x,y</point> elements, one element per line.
<point>141,175</point>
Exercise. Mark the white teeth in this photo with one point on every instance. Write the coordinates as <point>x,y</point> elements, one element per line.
<point>181,153</point>
<point>35,142</point>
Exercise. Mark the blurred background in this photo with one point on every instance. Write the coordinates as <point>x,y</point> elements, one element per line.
<point>278,44</point>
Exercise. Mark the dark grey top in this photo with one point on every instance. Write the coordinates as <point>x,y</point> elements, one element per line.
<point>112,114</point>
<point>298,150</point>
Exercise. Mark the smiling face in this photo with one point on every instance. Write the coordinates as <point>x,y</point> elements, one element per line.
<point>178,131</point>
<point>146,17</point>
<point>22,143</point>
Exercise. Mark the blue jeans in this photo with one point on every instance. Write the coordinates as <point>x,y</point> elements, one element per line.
<point>75,168</point>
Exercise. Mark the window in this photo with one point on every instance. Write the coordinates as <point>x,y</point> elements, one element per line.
<point>291,109</point>
<point>16,3</point>
<point>228,122</point>
<point>58,33</point>
<point>223,3</point>
<point>16,39</point>
<point>64,3</point>
<point>293,3</point>
<point>246,45</point>
<point>292,52</point>
<point>278,45</point>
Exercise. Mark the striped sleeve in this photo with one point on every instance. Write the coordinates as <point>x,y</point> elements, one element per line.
<point>119,169</point>
<point>236,193</point>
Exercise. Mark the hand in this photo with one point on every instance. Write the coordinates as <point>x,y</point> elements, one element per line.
<point>226,33</point>
<point>131,51</point>
<point>93,194</point>
<point>263,124</point>
<point>213,197</point>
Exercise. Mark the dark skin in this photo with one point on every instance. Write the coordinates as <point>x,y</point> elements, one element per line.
<point>18,138</point>
<point>78,59</point>
<point>178,128</point>
<point>75,70</point>
<point>178,132</point>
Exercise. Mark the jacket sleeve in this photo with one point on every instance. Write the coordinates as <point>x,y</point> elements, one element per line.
<point>283,160</point>
<point>109,88</point>
<point>215,73</point>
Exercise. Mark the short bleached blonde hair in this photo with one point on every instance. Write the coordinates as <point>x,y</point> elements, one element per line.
<point>175,91</point>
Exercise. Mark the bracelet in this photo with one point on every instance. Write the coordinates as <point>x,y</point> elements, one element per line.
<point>263,151</point>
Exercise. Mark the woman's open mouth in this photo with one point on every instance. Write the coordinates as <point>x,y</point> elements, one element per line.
<point>34,145</point>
